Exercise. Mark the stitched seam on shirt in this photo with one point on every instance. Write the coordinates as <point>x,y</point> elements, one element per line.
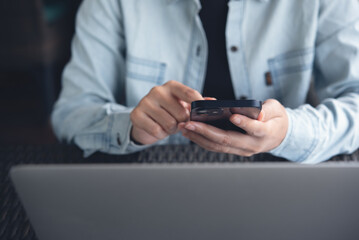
<point>280,71</point>
<point>294,54</point>
<point>189,55</point>
<point>313,145</point>
<point>109,132</point>
<point>245,66</point>
<point>144,77</point>
<point>126,142</point>
<point>294,69</point>
<point>202,73</point>
<point>97,140</point>
<point>158,68</point>
<point>289,137</point>
<point>146,62</point>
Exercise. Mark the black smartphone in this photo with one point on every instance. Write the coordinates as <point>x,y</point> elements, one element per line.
<point>218,112</point>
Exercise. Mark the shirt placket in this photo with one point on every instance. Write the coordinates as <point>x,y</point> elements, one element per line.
<point>198,53</point>
<point>235,50</point>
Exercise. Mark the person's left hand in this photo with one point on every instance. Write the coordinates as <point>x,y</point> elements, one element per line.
<point>263,134</point>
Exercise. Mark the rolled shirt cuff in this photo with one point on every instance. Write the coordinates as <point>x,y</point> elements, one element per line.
<point>301,138</point>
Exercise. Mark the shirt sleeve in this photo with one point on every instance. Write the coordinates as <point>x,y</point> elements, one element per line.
<point>315,134</point>
<point>87,112</point>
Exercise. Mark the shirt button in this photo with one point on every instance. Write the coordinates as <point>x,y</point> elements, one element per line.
<point>243,97</point>
<point>234,48</point>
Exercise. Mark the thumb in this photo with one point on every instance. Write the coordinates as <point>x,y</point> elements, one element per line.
<point>270,109</point>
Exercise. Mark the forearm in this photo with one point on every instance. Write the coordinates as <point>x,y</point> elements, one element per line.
<point>316,134</point>
<point>95,127</point>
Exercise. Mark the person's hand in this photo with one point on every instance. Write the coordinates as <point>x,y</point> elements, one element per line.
<point>161,110</point>
<point>263,134</point>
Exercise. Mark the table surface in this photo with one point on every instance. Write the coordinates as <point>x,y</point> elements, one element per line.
<point>14,224</point>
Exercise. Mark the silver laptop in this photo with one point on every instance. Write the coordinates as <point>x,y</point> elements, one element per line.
<point>218,201</point>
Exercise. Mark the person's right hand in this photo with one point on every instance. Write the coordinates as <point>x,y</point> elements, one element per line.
<point>161,110</point>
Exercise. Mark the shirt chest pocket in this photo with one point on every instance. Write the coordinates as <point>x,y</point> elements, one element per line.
<point>141,76</point>
<point>291,74</point>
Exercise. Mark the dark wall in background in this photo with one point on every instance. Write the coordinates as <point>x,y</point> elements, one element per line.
<point>34,47</point>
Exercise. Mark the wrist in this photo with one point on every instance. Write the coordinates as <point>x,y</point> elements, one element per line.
<point>132,139</point>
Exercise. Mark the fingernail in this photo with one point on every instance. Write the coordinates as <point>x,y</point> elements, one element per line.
<point>236,120</point>
<point>190,127</point>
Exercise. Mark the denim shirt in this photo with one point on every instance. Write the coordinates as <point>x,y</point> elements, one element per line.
<point>123,48</point>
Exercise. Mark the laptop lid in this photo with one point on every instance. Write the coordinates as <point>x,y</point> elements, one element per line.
<point>219,201</point>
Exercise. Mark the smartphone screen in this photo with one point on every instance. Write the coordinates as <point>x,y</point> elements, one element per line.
<point>218,112</point>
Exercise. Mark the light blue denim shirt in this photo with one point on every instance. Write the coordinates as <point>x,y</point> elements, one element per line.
<point>123,48</point>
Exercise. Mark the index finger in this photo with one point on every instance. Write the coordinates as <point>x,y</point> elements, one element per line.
<point>183,92</point>
<point>219,136</point>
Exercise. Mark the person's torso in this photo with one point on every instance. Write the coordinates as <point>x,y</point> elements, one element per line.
<point>270,47</point>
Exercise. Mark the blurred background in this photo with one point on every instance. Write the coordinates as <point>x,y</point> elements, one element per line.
<point>35,44</point>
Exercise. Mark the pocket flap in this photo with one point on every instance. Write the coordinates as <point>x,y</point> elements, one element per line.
<point>145,70</point>
<point>291,62</point>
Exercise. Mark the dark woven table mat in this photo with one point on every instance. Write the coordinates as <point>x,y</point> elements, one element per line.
<point>14,224</point>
